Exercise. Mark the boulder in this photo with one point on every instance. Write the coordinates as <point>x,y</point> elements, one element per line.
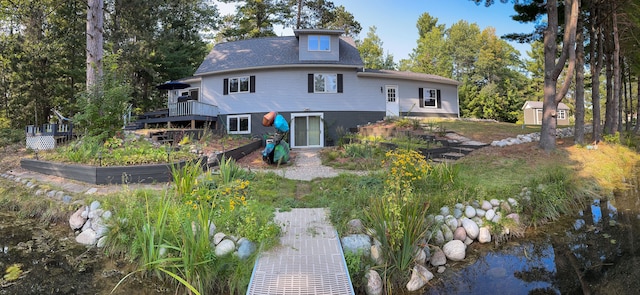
<point>490,214</point>
<point>485,235</point>
<point>87,237</point>
<point>451,222</point>
<point>471,228</point>
<point>374,283</point>
<point>76,221</point>
<point>438,258</point>
<point>486,205</point>
<point>420,276</point>
<point>494,203</point>
<point>460,234</point>
<point>469,212</point>
<point>359,243</point>
<point>218,237</point>
<point>225,247</point>
<point>376,254</point>
<point>480,212</point>
<point>457,213</point>
<point>245,248</point>
<point>454,250</point>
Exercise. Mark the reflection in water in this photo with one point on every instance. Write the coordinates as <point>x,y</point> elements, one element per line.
<point>594,252</point>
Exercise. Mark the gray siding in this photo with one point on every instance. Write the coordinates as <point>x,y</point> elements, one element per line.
<point>332,55</point>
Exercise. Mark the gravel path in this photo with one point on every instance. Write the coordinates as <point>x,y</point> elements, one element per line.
<point>308,166</point>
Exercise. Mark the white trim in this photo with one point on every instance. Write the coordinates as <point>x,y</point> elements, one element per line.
<point>426,93</point>
<point>562,114</point>
<point>293,129</point>
<point>319,37</point>
<point>239,117</point>
<point>324,76</point>
<point>240,91</point>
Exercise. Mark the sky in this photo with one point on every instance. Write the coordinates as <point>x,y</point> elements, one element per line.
<point>395,20</point>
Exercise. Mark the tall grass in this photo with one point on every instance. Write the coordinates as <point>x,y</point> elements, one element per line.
<point>399,215</point>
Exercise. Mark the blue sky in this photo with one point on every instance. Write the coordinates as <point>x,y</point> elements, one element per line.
<point>395,20</point>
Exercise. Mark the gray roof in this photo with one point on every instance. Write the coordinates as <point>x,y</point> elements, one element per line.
<point>406,76</point>
<point>269,52</point>
<point>538,105</point>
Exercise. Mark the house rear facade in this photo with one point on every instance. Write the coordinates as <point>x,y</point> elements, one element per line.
<point>317,81</point>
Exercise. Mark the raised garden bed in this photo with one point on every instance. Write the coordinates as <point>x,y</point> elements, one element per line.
<point>149,173</point>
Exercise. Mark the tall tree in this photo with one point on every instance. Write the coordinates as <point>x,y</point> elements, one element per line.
<point>321,14</point>
<point>256,18</point>
<point>553,68</point>
<point>371,50</point>
<point>579,94</point>
<point>95,41</point>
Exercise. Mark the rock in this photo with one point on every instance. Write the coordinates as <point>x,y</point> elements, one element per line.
<point>99,227</point>
<point>438,258</point>
<point>478,221</point>
<point>485,235</point>
<point>447,233</point>
<point>95,213</point>
<point>438,218</point>
<point>427,252</point>
<point>486,205</point>
<point>356,244</point>
<point>468,241</point>
<point>76,221</point>
<point>106,215</point>
<point>91,191</point>
<point>441,269</point>
<point>460,234</point>
<point>494,203</point>
<point>245,248</point>
<point>218,237</point>
<point>94,205</point>
<point>490,214</point>
<point>469,212</point>
<point>51,194</point>
<point>457,213</point>
<point>87,237</point>
<point>454,250</point>
<point>444,211</point>
<point>225,247</point>
<point>67,199</point>
<point>86,225</point>
<point>459,206</point>
<point>355,226</point>
<point>212,229</point>
<point>505,207</point>
<point>419,256</point>
<point>420,276</point>
<point>438,238</point>
<point>480,212</point>
<point>376,254</point>
<point>515,217</point>
<point>471,228</point>
<point>101,242</point>
<point>85,213</point>
<point>39,192</point>
<point>512,202</point>
<point>496,218</point>
<point>374,283</point>
<point>451,222</point>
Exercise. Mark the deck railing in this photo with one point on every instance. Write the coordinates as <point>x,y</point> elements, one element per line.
<point>50,129</point>
<point>192,107</point>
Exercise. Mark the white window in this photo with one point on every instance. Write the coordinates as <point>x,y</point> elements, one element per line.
<point>239,124</point>
<point>319,43</point>
<point>325,83</point>
<point>562,115</point>
<point>239,85</point>
<point>430,98</point>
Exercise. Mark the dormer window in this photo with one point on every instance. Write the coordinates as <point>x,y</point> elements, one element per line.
<point>319,43</point>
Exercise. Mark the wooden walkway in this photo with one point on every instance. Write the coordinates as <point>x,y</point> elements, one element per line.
<point>309,259</point>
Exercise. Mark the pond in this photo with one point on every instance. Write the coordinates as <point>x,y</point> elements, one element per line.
<point>596,251</point>
<point>50,261</point>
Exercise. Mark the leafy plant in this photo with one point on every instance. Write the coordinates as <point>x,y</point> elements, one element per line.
<point>185,177</point>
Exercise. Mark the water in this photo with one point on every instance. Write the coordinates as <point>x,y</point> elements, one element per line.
<point>596,251</point>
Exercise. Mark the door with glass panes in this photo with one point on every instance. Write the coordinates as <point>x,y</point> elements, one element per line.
<point>306,130</point>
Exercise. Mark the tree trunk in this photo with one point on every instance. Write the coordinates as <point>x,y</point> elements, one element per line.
<point>95,40</point>
<point>579,114</point>
<point>299,16</point>
<point>552,69</point>
<point>597,54</point>
<point>617,71</point>
<point>610,114</point>
<point>636,128</point>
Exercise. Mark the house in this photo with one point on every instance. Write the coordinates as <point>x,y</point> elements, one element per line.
<point>533,113</point>
<point>316,80</point>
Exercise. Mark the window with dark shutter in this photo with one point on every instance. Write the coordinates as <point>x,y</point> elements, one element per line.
<point>340,83</point>
<point>439,104</point>
<point>252,84</point>
<point>421,97</point>
<point>225,86</point>
<point>310,83</point>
